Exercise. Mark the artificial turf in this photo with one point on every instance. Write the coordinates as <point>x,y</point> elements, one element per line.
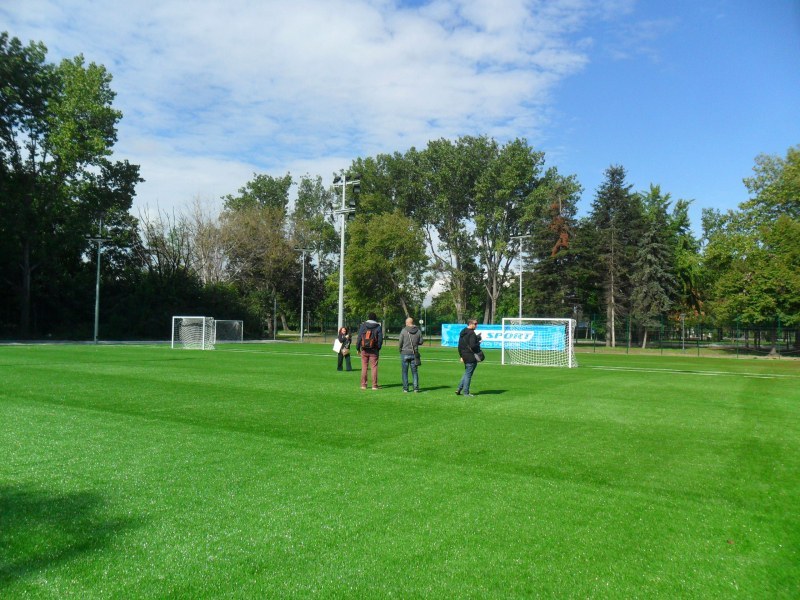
<point>258,470</point>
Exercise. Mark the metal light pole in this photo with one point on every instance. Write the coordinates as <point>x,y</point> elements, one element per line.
<point>302,288</point>
<point>341,181</point>
<point>519,239</point>
<point>683,332</point>
<point>100,239</point>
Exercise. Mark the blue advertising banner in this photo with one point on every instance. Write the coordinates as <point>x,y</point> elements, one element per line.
<point>533,337</point>
<point>490,334</point>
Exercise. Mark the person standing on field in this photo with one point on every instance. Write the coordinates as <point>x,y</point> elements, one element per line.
<point>368,346</point>
<point>469,344</point>
<point>409,341</point>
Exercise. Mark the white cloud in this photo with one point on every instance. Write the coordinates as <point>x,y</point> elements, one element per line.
<point>213,91</point>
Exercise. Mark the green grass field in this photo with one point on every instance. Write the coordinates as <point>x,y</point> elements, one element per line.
<point>258,471</point>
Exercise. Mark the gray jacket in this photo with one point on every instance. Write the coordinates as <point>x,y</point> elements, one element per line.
<point>410,338</point>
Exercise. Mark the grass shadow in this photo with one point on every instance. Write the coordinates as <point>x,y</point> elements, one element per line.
<point>433,388</point>
<point>40,530</point>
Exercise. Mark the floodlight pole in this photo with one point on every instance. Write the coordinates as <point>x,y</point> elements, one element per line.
<point>100,239</point>
<point>302,288</point>
<point>683,332</point>
<point>519,239</point>
<point>341,181</point>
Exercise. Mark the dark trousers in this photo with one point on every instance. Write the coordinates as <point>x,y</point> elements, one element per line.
<point>346,358</point>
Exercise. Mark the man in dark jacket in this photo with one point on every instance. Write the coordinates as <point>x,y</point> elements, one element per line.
<point>469,344</point>
<point>368,345</point>
<point>409,340</point>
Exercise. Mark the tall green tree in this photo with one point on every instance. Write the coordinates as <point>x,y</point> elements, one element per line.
<point>57,130</point>
<point>550,255</point>
<point>503,194</point>
<point>263,191</point>
<point>751,257</point>
<point>389,267</point>
<point>262,260</point>
<point>653,280</point>
<point>615,228</point>
<point>311,226</point>
<point>688,262</point>
<point>450,173</point>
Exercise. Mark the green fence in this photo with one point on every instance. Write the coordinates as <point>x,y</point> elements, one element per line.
<point>690,335</point>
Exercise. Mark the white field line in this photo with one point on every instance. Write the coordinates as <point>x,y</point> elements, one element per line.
<point>702,373</point>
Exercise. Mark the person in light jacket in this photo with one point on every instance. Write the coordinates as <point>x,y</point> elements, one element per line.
<point>409,341</point>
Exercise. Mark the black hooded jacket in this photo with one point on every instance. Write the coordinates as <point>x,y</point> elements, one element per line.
<point>468,345</point>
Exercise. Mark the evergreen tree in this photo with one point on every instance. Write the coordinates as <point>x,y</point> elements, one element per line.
<point>615,229</point>
<point>653,279</point>
<point>550,278</point>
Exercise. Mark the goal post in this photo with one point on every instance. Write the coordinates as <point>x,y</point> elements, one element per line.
<point>229,330</point>
<point>538,342</point>
<point>193,333</point>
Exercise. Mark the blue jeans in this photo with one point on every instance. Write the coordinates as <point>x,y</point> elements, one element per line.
<point>469,369</point>
<point>405,361</point>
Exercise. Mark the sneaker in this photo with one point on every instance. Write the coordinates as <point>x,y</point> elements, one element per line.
<point>363,387</point>
<point>406,391</point>
<point>468,395</point>
<point>416,391</point>
<point>376,388</point>
<point>458,392</point>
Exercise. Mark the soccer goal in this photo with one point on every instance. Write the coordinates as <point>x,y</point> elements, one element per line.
<point>538,342</point>
<point>196,333</point>
<point>229,330</point>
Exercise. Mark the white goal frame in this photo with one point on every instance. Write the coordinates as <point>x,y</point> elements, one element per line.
<point>228,331</point>
<point>193,333</point>
<point>538,342</point>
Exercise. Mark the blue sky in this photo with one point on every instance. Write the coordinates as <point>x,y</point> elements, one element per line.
<point>684,94</point>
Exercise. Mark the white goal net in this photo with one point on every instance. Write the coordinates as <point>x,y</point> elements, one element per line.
<point>196,333</point>
<point>538,342</point>
<point>228,330</point>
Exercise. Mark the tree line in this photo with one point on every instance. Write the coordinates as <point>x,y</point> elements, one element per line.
<point>457,218</point>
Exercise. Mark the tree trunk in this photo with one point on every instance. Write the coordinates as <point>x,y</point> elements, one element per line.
<point>404,306</point>
<point>611,340</point>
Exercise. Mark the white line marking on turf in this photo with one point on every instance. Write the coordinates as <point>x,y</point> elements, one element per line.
<point>703,373</point>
